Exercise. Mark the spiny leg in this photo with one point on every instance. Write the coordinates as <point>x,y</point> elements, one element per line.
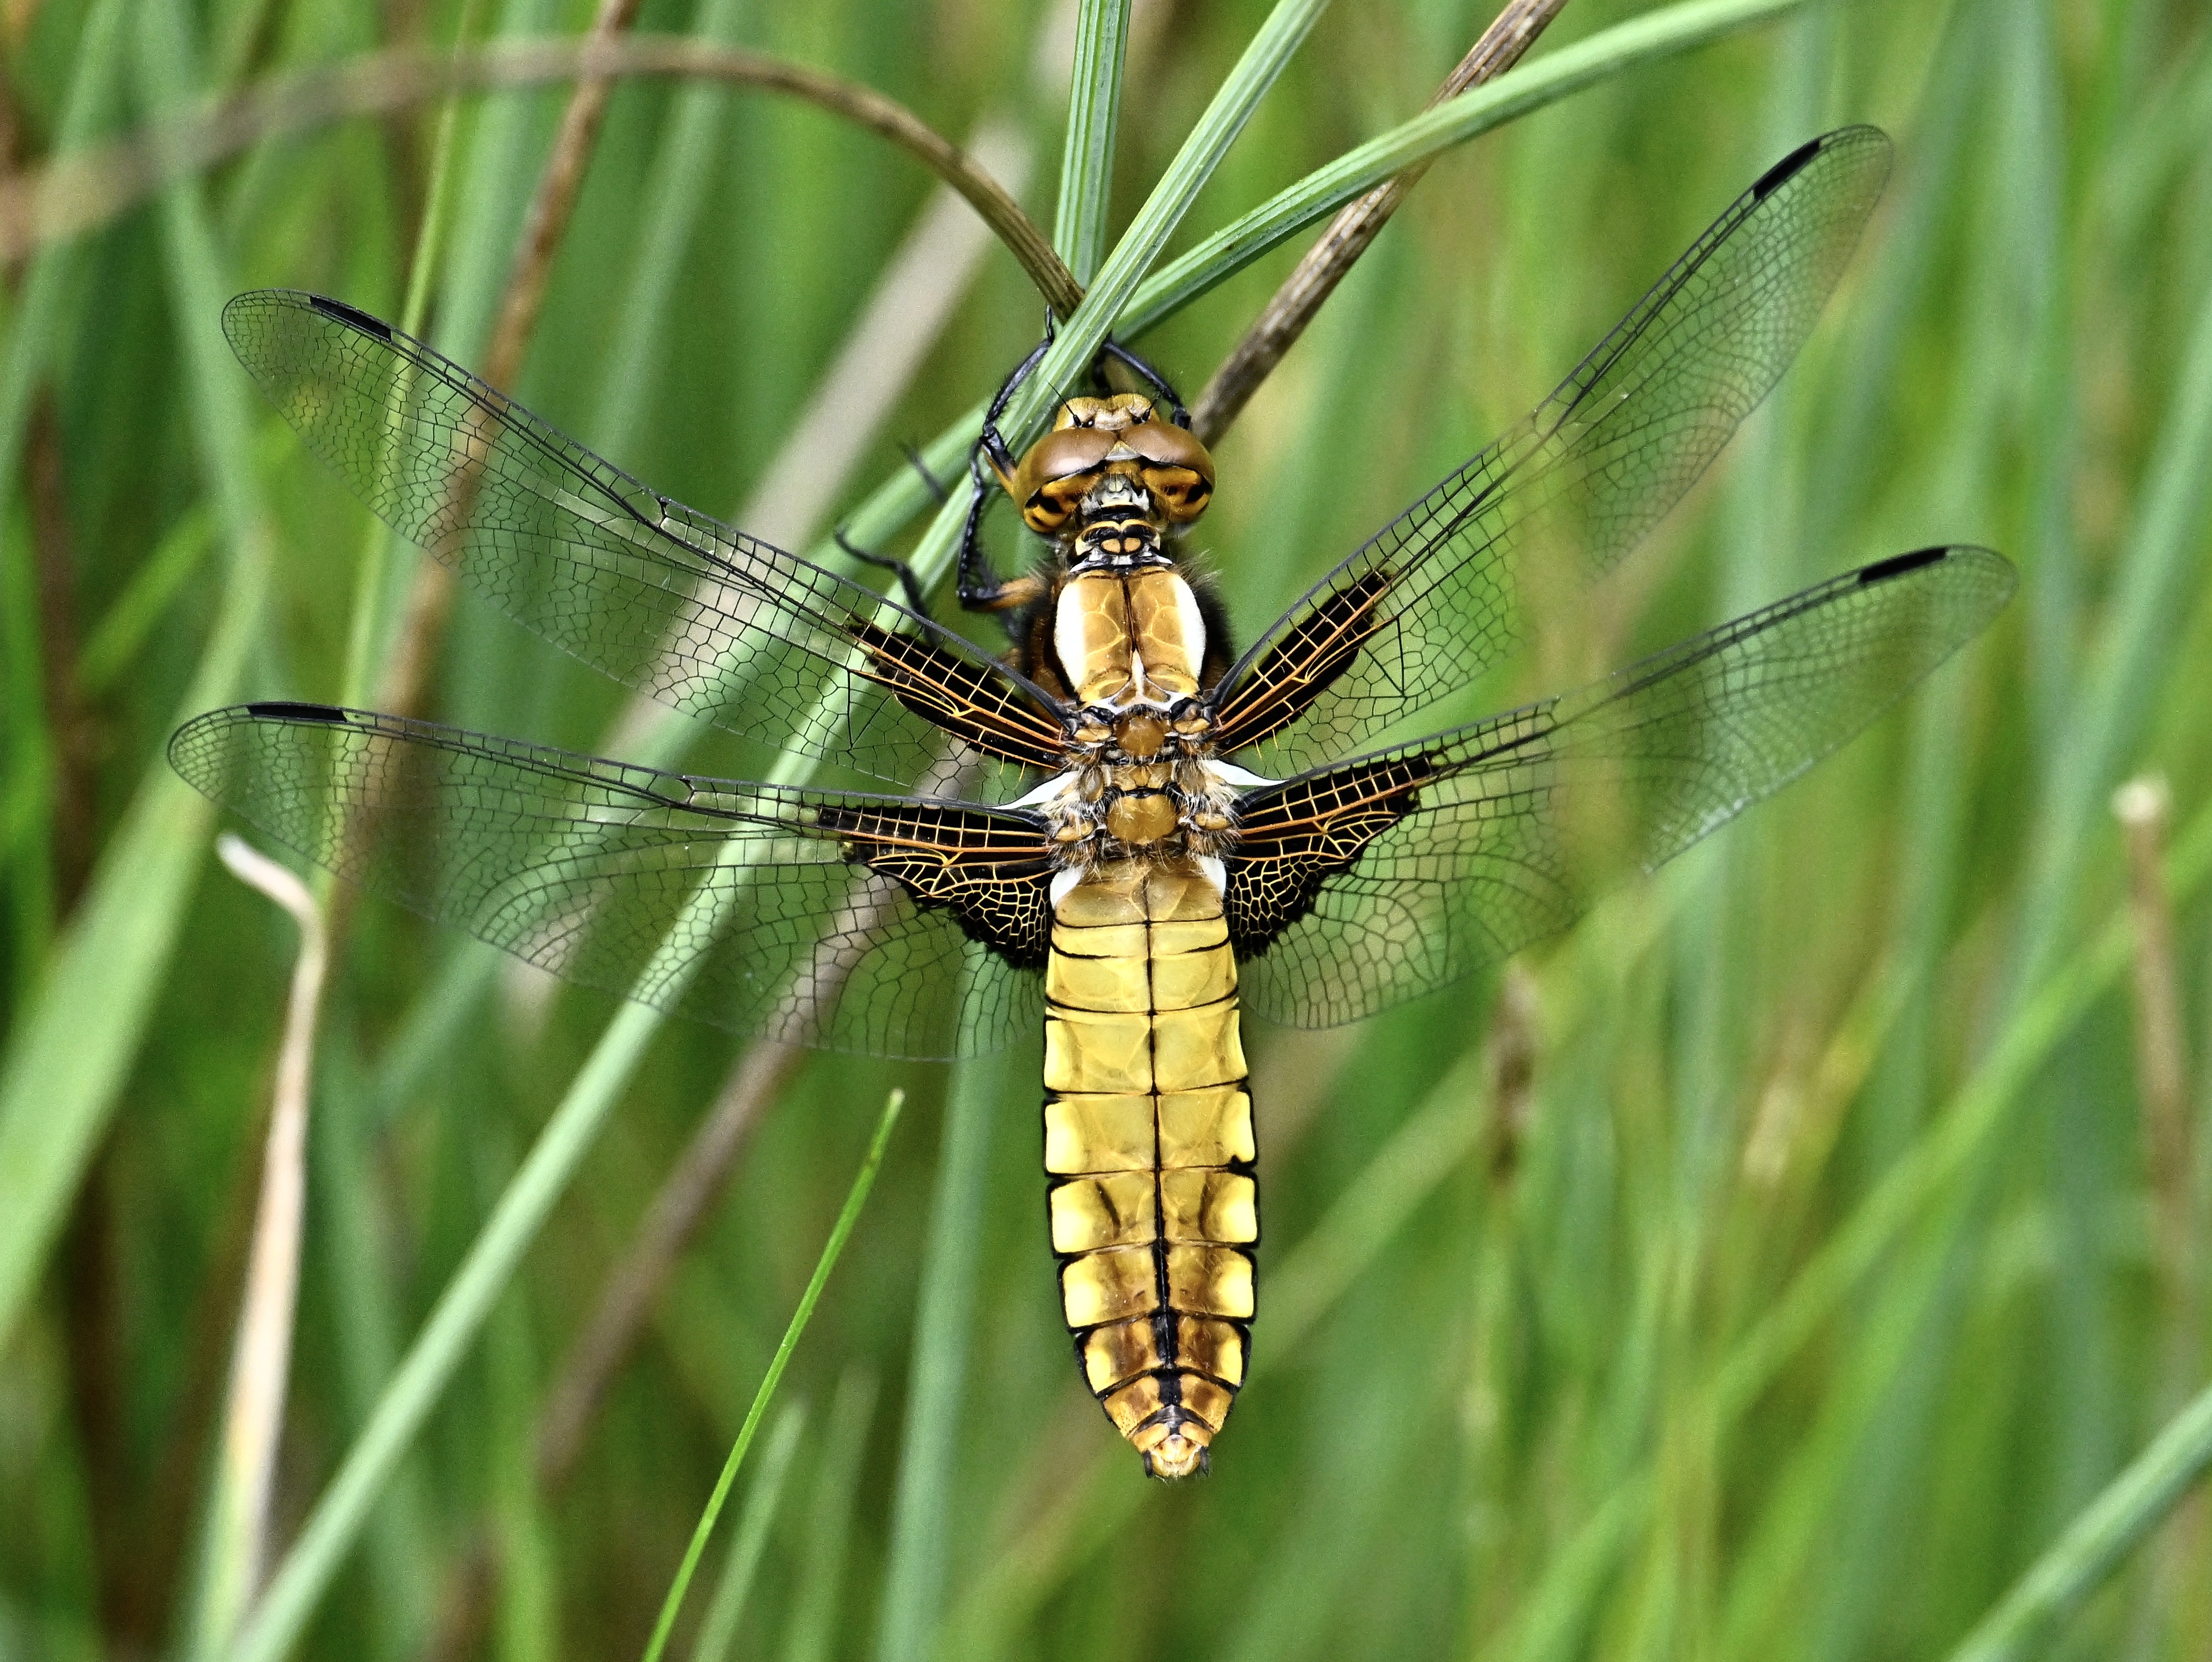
<point>1142,366</point>
<point>916,601</point>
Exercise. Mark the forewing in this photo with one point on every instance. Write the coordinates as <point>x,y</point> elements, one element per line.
<point>1353,888</point>
<point>656,595</point>
<point>1438,596</point>
<point>898,926</point>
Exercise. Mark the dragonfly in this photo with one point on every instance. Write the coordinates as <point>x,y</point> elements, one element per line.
<point>1133,830</point>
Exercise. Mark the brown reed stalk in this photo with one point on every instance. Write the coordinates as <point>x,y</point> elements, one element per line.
<point>75,194</point>
<point>1350,234</point>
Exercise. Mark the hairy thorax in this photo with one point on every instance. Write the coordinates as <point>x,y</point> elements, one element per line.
<point>1142,781</point>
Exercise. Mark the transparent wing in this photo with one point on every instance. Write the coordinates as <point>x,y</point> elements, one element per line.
<point>900,926</point>
<point>1354,887</point>
<point>1436,597</point>
<point>656,595</point>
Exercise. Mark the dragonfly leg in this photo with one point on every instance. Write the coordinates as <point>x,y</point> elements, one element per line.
<point>980,588</point>
<point>1113,349</point>
<point>907,582</point>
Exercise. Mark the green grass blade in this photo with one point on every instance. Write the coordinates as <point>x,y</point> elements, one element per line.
<point>2158,576</point>
<point>278,1622</point>
<point>68,1057</point>
<point>1530,86</point>
<point>2092,1546</point>
<point>819,1600</point>
<point>1086,159</point>
<point>840,1233</point>
<point>921,1508</point>
<point>677,194</point>
<point>718,1628</point>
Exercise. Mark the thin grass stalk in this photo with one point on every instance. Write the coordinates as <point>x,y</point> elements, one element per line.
<point>1086,157</point>
<point>546,225</point>
<point>1298,301</point>
<point>429,601</point>
<point>78,192</point>
<point>280,1620</point>
<point>2144,807</point>
<point>840,1233</point>
<point>2098,1539</point>
<point>2158,573</point>
<point>253,1421</point>
<point>1635,44</point>
<point>718,1628</point>
<point>1982,1108</point>
<point>379,542</point>
<point>72,1047</point>
<point>937,1391</point>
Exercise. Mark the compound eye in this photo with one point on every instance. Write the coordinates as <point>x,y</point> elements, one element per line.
<point>1170,446</point>
<point>1181,492</point>
<point>1064,454</point>
<point>1052,503</point>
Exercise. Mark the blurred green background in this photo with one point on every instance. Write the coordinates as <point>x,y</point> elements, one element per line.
<point>1772,1267</point>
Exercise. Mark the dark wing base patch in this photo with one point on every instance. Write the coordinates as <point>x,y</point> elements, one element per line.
<point>991,872</point>
<point>976,702</point>
<point>1292,837</point>
<point>1294,670</point>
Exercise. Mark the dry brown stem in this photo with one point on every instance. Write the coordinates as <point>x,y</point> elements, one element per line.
<point>1349,234</point>
<point>253,1422</point>
<point>2144,809</point>
<point>430,600</point>
<point>77,193</point>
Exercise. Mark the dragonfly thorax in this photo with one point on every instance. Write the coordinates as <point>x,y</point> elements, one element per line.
<point>1129,638</point>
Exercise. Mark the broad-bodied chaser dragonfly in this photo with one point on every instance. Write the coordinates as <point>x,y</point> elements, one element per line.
<point>1202,835</point>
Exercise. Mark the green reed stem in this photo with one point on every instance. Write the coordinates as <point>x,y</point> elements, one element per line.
<point>1086,157</point>
<point>2102,1533</point>
<point>1530,86</point>
<point>840,1233</point>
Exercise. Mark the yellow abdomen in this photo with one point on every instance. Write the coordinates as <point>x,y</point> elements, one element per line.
<point>1148,1140</point>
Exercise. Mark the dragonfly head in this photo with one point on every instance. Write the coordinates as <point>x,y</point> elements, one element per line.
<point>1122,437</point>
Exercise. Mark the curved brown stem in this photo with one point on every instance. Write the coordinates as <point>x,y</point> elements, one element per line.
<point>1295,304</point>
<point>77,193</point>
<point>430,600</point>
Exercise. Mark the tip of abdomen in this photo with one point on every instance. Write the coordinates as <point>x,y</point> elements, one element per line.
<point>1173,1442</point>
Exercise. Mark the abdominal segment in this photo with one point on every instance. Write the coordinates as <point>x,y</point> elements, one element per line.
<point>1148,1143</point>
